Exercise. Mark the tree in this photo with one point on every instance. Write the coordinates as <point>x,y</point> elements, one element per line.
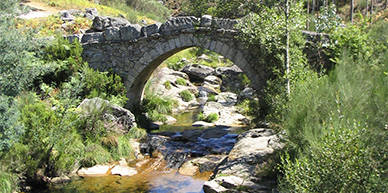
<point>274,34</point>
<point>371,10</point>
<point>287,54</point>
<point>351,10</point>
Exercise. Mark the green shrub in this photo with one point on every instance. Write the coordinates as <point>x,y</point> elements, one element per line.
<point>167,85</point>
<point>201,117</point>
<point>8,182</point>
<point>339,162</point>
<point>186,95</point>
<point>155,106</point>
<point>244,79</point>
<point>105,85</point>
<point>161,105</point>
<point>181,81</point>
<point>212,117</point>
<point>122,149</point>
<point>136,133</point>
<point>211,98</point>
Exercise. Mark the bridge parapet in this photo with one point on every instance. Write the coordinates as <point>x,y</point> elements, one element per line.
<point>173,26</point>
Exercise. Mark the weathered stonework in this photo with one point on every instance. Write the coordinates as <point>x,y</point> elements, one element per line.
<point>134,52</point>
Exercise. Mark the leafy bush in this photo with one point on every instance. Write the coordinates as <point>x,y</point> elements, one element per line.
<point>181,81</point>
<point>186,95</point>
<point>212,97</point>
<point>156,106</point>
<point>167,85</point>
<point>201,117</point>
<point>339,162</point>
<point>328,21</point>
<point>212,117</point>
<point>335,125</point>
<point>105,85</point>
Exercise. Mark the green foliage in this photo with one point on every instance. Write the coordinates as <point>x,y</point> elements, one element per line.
<point>328,20</point>
<point>105,85</point>
<point>7,181</point>
<point>91,125</point>
<point>64,59</point>
<point>201,117</point>
<point>181,81</point>
<point>219,8</point>
<point>264,35</point>
<point>186,95</point>
<point>212,117</point>
<point>10,128</point>
<point>244,79</point>
<point>339,162</point>
<point>156,106</point>
<point>353,39</point>
<point>211,98</point>
<point>335,123</point>
<point>150,8</point>
<point>167,85</point>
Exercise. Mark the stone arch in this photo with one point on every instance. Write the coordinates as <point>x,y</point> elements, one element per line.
<point>154,56</point>
<point>134,52</point>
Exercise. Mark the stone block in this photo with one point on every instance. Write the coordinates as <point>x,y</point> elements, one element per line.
<point>166,47</point>
<point>224,50</point>
<point>218,47</point>
<point>177,42</point>
<point>151,29</point>
<point>112,34</point>
<point>101,23</point>
<point>159,48</point>
<point>172,44</point>
<point>176,24</point>
<point>206,21</point>
<point>93,37</point>
<point>130,32</point>
<point>212,45</point>
<point>153,54</point>
<point>231,53</point>
<point>237,57</point>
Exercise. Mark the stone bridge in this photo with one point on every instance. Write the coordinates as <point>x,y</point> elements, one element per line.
<point>134,52</point>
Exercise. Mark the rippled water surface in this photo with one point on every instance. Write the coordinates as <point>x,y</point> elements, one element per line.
<point>147,180</point>
<point>153,182</point>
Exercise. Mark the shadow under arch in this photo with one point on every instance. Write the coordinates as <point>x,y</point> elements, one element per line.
<point>226,47</point>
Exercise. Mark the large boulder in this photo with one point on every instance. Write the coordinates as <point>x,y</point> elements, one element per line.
<point>231,78</point>
<point>95,170</point>
<point>197,72</point>
<point>166,75</point>
<point>123,120</point>
<point>254,148</point>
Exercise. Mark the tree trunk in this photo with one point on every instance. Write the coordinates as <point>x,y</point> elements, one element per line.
<point>286,56</point>
<point>351,11</point>
<point>386,3</point>
<point>366,9</point>
<point>371,11</point>
<point>308,19</point>
<point>313,7</point>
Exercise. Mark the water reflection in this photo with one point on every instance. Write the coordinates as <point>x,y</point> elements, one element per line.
<point>153,182</point>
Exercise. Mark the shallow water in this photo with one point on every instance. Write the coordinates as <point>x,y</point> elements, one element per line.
<point>153,181</point>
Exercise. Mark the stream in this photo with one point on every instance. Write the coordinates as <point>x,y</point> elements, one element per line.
<point>177,143</point>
